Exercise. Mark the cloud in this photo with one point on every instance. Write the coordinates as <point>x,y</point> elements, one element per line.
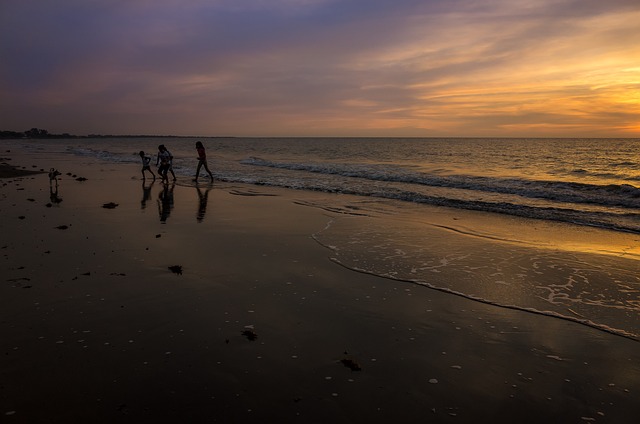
<point>326,67</point>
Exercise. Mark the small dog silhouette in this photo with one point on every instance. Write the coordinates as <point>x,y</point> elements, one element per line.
<point>53,176</point>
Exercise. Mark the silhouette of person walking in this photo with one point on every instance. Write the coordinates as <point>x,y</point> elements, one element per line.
<point>170,163</point>
<point>146,164</point>
<point>165,161</point>
<point>202,161</point>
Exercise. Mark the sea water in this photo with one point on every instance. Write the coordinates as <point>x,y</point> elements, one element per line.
<point>592,182</point>
<point>583,183</point>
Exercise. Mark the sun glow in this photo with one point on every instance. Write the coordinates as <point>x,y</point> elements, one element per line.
<point>301,68</point>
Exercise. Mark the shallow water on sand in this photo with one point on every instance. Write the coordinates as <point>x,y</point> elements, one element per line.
<point>584,284</point>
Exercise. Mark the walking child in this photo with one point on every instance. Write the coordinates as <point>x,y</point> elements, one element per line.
<point>202,161</point>
<point>163,162</point>
<point>146,164</point>
<point>168,153</point>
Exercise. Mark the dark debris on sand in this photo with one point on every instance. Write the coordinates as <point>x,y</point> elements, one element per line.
<point>351,364</point>
<point>110,205</point>
<point>249,334</point>
<point>176,269</point>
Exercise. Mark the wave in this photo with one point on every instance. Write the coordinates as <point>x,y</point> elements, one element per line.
<point>605,175</point>
<point>581,287</point>
<point>613,206</point>
<point>579,320</point>
<point>104,155</point>
<point>624,195</point>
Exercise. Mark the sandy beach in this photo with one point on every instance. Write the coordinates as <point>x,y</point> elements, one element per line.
<point>128,301</point>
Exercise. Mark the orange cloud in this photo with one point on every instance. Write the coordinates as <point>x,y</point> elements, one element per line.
<point>318,67</point>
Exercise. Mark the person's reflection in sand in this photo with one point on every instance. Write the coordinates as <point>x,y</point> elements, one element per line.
<point>165,201</point>
<point>146,193</point>
<point>53,195</point>
<point>203,198</point>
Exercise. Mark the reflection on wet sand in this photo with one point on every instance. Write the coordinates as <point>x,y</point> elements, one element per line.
<point>54,197</point>
<point>203,198</point>
<point>165,201</point>
<point>146,193</point>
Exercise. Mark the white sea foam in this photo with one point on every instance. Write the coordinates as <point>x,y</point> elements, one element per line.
<point>595,290</point>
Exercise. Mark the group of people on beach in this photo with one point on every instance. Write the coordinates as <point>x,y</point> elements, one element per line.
<point>164,163</point>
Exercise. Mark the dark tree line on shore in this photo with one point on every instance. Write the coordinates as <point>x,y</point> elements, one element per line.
<point>33,133</point>
<point>40,133</point>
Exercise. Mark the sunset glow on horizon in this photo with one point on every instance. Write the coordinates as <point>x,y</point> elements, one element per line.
<point>416,68</point>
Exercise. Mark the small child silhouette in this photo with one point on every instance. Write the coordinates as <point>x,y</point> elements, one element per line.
<point>146,164</point>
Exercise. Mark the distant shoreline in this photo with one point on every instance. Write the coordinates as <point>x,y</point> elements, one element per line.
<point>11,135</point>
<point>43,134</point>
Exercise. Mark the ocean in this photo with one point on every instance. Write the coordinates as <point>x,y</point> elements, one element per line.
<point>593,184</point>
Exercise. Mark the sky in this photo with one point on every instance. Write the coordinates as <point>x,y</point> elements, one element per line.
<point>298,68</point>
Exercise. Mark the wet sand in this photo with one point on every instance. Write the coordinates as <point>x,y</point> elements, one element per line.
<point>258,324</point>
